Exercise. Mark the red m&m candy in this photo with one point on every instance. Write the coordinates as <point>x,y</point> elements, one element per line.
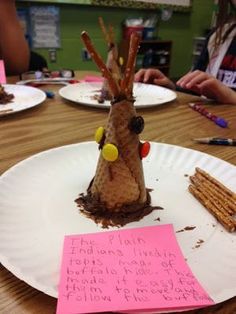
<point>144,149</point>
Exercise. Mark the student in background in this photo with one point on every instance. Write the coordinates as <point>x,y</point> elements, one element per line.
<point>214,75</point>
<point>14,49</point>
<point>37,62</point>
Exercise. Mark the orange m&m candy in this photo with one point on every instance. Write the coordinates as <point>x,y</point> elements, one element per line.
<point>144,150</point>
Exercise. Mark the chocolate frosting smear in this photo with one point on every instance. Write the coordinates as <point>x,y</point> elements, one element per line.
<point>120,216</point>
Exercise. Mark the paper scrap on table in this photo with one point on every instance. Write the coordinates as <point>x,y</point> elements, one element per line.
<point>126,270</point>
<point>2,73</point>
<point>93,78</point>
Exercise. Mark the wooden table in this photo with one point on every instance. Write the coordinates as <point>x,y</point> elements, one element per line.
<point>57,122</point>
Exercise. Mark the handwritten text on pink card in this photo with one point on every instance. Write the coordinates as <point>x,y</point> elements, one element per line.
<point>131,269</point>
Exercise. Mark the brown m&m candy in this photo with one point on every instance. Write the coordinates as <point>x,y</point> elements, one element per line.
<point>136,124</point>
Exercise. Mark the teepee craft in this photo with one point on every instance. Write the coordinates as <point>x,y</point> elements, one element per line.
<point>117,193</point>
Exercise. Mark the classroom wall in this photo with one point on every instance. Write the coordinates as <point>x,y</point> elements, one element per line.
<point>181,29</point>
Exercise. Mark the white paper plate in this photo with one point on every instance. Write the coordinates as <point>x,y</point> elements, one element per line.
<point>37,209</point>
<point>146,95</point>
<point>25,97</point>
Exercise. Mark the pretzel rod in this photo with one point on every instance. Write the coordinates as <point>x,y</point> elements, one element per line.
<point>130,65</point>
<point>111,34</point>
<point>217,183</point>
<point>109,37</point>
<point>210,193</point>
<point>226,221</point>
<point>101,65</point>
<point>104,30</point>
<point>214,202</point>
<point>219,193</point>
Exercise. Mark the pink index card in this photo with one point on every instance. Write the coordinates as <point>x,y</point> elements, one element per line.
<point>127,270</point>
<point>2,73</point>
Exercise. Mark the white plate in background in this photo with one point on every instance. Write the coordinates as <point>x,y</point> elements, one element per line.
<point>146,95</point>
<point>25,97</point>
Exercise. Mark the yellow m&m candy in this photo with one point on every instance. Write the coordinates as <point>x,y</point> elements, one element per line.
<point>99,134</point>
<point>121,61</point>
<point>110,152</point>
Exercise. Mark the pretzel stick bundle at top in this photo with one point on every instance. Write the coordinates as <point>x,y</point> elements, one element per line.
<point>112,61</point>
<point>214,196</point>
<point>117,193</point>
<point>110,40</point>
<point>106,34</point>
<point>111,35</point>
<point>101,65</point>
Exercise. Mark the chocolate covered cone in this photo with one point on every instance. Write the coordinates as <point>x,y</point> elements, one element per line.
<point>121,182</point>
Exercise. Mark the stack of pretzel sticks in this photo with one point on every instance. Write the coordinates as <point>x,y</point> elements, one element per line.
<point>215,197</point>
<point>125,86</point>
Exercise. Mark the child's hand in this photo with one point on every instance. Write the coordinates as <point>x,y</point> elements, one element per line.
<point>153,76</point>
<point>208,86</point>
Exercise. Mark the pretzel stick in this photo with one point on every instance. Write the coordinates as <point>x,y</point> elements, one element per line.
<point>219,193</point>
<point>111,34</point>
<point>109,37</point>
<point>113,47</point>
<point>210,193</point>
<point>101,65</point>
<point>217,183</point>
<point>126,84</point>
<point>104,30</point>
<point>213,201</point>
<point>226,221</point>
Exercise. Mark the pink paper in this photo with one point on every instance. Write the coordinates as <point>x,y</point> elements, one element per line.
<point>2,73</point>
<point>93,78</point>
<point>126,270</point>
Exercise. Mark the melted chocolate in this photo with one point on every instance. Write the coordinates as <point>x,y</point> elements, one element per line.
<point>97,211</point>
<point>5,98</point>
